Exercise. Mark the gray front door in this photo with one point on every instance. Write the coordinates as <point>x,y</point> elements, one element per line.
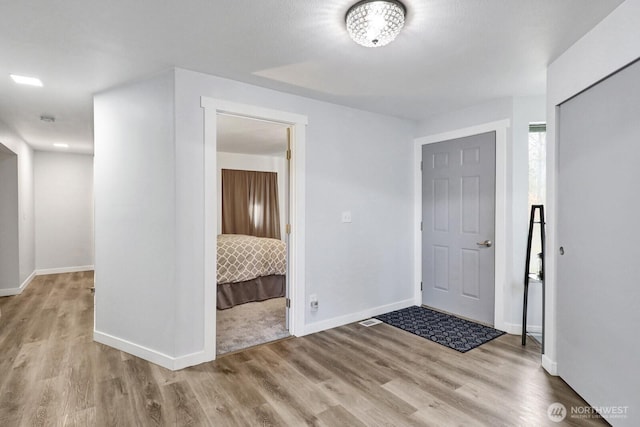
<point>458,215</point>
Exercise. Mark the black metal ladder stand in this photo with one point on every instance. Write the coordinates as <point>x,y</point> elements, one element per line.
<point>527,273</point>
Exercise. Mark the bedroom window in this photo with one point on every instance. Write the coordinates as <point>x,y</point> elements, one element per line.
<point>250,203</point>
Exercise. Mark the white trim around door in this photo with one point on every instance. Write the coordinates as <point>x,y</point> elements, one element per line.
<point>298,124</point>
<point>502,232</point>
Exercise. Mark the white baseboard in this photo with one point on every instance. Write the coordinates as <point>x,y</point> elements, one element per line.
<point>60,270</point>
<point>516,328</point>
<point>549,365</point>
<point>350,318</point>
<point>153,356</point>
<point>17,291</point>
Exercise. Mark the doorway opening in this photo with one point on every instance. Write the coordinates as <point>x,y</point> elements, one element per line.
<point>9,223</point>
<point>253,213</point>
<point>216,110</point>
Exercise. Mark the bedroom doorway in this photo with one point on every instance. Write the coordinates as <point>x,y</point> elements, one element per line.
<point>253,204</point>
<point>295,276</point>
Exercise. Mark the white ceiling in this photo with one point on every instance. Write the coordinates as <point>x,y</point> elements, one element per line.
<point>249,136</point>
<point>451,54</point>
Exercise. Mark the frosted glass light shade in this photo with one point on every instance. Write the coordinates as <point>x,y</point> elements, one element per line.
<point>375,23</point>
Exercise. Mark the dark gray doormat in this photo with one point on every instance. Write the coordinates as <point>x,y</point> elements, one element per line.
<point>450,331</point>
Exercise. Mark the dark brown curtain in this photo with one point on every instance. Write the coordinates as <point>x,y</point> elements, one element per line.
<point>250,203</point>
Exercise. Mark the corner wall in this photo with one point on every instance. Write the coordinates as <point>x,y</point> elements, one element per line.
<point>135,223</point>
<point>519,111</point>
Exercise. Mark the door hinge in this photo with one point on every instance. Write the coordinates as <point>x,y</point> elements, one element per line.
<point>420,286</point>
<point>288,303</point>
<point>288,154</point>
<point>421,165</point>
<point>288,228</point>
<point>420,225</point>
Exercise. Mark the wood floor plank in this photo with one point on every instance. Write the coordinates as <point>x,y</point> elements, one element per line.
<point>144,394</point>
<point>350,362</point>
<point>283,400</point>
<point>337,416</point>
<point>217,405</point>
<point>239,385</point>
<point>306,393</point>
<point>53,374</point>
<point>431,410</point>
<point>182,406</point>
<point>309,368</point>
<point>114,405</point>
<point>82,418</point>
<point>266,416</point>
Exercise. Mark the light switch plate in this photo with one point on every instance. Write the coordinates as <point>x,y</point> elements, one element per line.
<point>346,216</point>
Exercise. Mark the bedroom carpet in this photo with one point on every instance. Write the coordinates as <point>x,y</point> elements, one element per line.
<point>445,329</point>
<point>250,324</point>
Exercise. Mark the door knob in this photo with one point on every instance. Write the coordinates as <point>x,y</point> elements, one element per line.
<point>486,243</point>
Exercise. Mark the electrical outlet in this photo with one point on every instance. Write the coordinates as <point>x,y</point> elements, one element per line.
<point>346,216</point>
<point>313,302</point>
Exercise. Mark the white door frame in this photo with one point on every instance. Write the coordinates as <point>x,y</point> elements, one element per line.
<point>297,210</point>
<point>502,232</point>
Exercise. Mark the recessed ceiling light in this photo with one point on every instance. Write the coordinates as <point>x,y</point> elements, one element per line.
<point>60,145</point>
<point>23,80</point>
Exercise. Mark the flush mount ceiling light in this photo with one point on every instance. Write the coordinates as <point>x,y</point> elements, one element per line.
<point>375,23</point>
<point>24,80</point>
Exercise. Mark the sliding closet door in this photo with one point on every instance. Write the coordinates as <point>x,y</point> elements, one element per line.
<point>599,234</point>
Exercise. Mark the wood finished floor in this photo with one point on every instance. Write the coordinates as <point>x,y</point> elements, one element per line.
<point>52,373</point>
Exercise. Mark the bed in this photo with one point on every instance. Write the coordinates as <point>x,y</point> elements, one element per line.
<point>249,269</point>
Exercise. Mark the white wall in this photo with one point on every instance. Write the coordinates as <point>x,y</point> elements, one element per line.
<point>488,112</point>
<point>63,211</point>
<point>519,111</point>
<point>135,222</point>
<point>9,221</point>
<point>609,46</point>
<point>254,163</point>
<point>26,229</point>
